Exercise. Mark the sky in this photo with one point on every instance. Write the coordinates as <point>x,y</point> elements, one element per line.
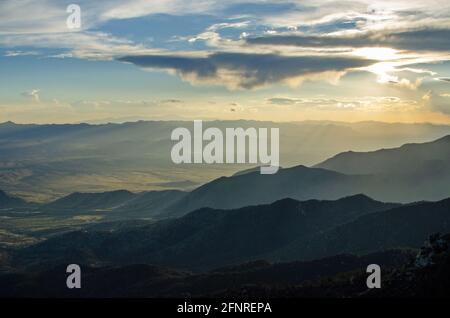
<point>208,59</point>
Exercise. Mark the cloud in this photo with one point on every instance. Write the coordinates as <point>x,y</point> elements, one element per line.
<point>444,79</point>
<point>137,8</point>
<point>247,71</point>
<point>42,24</point>
<point>428,39</point>
<point>230,52</point>
<point>86,45</point>
<point>27,16</point>
<point>33,95</point>
<point>49,16</point>
<point>367,103</point>
<point>20,53</point>
<point>396,51</point>
<point>283,101</point>
<point>172,101</point>
<point>436,102</point>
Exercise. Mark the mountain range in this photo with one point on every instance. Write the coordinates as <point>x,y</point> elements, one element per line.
<point>285,230</point>
<point>120,203</point>
<point>427,159</point>
<point>247,228</point>
<point>390,176</point>
<point>45,162</point>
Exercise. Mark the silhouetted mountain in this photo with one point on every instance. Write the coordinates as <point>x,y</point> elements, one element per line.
<point>300,183</point>
<point>413,172</point>
<point>254,169</point>
<point>405,226</point>
<point>7,201</point>
<point>205,238</point>
<point>119,204</point>
<point>429,158</point>
<point>154,281</point>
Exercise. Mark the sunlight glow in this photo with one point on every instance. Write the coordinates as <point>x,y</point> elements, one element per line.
<point>377,53</point>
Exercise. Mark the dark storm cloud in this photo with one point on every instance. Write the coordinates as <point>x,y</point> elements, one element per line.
<point>200,66</point>
<point>416,40</point>
<point>249,70</point>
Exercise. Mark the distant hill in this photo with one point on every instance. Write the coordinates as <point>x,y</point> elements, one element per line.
<point>250,188</point>
<point>119,204</point>
<point>253,188</point>
<point>206,238</point>
<point>7,201</point>
<point>254,169</point>
<point>91,201</point>
<point>390,177</point>
<point>412,172</point>
<point>426,158</point>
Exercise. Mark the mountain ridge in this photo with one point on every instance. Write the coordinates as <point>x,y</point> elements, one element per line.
<point>392,160</point>
<point>207,237</point>
<point>8,201</point>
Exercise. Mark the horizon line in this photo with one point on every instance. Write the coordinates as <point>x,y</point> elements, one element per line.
<point>95,123</point>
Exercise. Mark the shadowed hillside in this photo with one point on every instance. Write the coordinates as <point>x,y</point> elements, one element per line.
<point>205,238</point>
<point>429,159</point>
<point>405,226</point>
<point>154,281</point>
<point>7,201</point>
